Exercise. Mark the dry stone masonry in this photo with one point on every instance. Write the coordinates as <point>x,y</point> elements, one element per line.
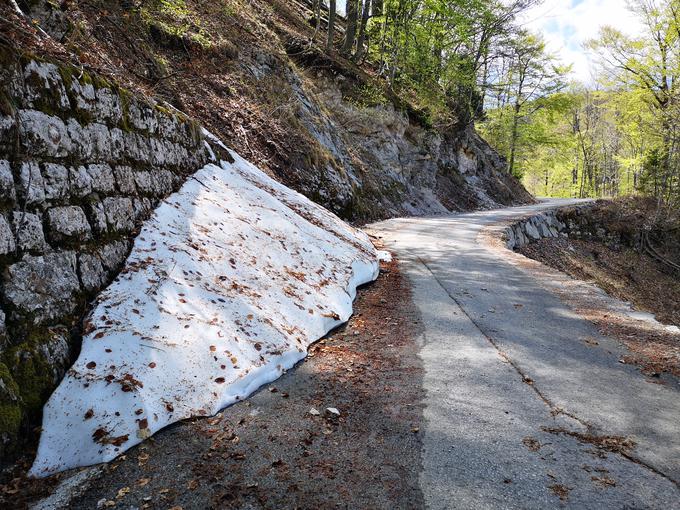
<point>533,228</point>
<point>82,163</point>
<point>576,222</point>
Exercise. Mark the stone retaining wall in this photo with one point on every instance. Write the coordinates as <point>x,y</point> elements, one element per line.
<point>82,163</point>
<point>532,229</point>
<point>576,222</point>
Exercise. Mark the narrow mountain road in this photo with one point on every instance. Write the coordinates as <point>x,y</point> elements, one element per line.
<point>521,410</point>
<point>462,380</point>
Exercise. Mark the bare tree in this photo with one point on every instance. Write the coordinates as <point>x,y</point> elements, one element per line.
<point>331,25</point>
<point>363,36</point>
<point>351,26</point>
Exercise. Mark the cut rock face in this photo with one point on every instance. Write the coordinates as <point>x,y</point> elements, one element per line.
<point>226,286</point>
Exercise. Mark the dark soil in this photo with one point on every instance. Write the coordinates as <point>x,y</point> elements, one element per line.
<point>271,452</point>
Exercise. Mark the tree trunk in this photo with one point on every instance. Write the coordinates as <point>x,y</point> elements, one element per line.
<point>317,18</point>
<point>351,29</point>
<point>331,25</point>
<point>666,156</point>
<point>362,32</point>
<point>513,138</point>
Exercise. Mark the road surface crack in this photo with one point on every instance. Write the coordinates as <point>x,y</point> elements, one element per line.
<point>589,437</point>
<point>612,444</point>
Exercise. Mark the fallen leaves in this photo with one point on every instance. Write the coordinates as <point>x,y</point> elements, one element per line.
<point>603,481</point>
<point>561,491</point>
<point>613,444</point>
<point>102,436</point>
<point>142,459</point>
<point>531,443</point>
<point>122,492</point>
<point>142,482</point>
<point>129,383</point>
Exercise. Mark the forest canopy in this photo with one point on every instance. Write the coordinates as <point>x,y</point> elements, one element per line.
<point>616,136</point>
<point>463,61</point>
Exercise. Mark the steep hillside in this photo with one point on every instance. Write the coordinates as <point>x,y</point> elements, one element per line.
<point>101,108</point>
<point>248,72</point>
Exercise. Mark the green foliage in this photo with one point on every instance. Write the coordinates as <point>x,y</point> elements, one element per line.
<point>621,139</point>
<point>433,52</point>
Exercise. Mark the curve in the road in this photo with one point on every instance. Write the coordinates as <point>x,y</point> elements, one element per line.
<point>521,412</point>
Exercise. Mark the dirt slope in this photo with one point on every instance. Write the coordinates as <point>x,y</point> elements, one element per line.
<point>246,70</point>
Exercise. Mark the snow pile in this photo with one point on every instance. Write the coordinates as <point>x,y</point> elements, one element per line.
<point>227,285</point>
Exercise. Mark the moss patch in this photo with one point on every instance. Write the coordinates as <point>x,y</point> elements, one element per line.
<point>10,406</point>
<point>31,372</point>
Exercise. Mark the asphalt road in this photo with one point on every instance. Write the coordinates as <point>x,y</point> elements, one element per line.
<point>517,402</point>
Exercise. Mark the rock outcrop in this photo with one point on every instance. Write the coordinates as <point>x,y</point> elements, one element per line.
<point>368,160</point>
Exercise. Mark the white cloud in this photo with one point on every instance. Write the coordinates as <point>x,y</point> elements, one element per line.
<point>567,24</point>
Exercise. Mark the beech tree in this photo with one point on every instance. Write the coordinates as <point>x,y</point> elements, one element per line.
<point>332,8</point>
<point>352,8</point>
<point>650,63</point>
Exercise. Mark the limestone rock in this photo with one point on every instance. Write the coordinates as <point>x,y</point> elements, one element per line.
<point>3,332</point>
<point>162,180</point>
<point>31,185</point>
<point>83,95</point>
<point>108,106</point>
<point>92,273</point>
<point>102,178</point>
<point>55,178</point>
<point>7,244</point>
<point>43,287</point>
<point>97,216</point>
<point>125,178</point>
<point>145,183</point>
<point>40,77</point>
<point>120,215</point>
<point>112,255</point>
<point>7,133</point>
<point>6,181</point>
<point>68,223</point>
<point>142,116</point>
<point>29,231</point>
<point>80,182</point>
<point>531,231</point>
<point>56,352</point>
<point>117,143</point>
<point>142,207</point>
<point>44,135</point>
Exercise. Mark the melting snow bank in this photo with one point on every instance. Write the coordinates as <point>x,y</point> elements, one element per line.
<point>227,285</point>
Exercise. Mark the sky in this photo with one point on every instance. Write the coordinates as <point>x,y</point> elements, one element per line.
<point>567,24</point>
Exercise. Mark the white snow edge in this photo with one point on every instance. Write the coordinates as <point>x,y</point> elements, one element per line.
<point>228,283</point>
<point>384,256</point>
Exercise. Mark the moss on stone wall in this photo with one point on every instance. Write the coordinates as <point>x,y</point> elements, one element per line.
<point>41,339</point>
<point>31,372</point>
<point>11,414</point>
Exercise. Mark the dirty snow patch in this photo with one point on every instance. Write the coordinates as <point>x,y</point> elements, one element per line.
<point>227,285</point>
<point>384,256</point>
